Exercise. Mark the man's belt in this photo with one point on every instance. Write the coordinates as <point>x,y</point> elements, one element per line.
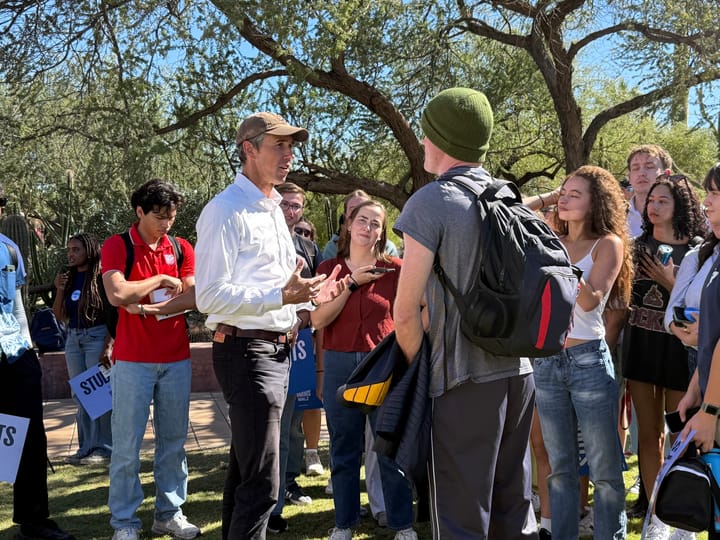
<point>266,335</point>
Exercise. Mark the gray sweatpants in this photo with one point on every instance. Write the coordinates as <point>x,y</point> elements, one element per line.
<point>480,468</point>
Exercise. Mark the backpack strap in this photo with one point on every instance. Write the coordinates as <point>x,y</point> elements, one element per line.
<point>12,252</point>
<point>179,255</point>
<point>129,253</point>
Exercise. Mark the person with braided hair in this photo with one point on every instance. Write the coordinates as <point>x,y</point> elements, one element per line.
<point>78,302</point>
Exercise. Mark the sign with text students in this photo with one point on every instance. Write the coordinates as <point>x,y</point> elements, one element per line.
<point>13,430</point>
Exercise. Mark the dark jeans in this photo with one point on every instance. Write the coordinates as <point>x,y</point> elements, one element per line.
<point>253,375</point>
<point>21,395</point>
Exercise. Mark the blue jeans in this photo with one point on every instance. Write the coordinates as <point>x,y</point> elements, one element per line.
<point>83,348</point>
<point>346,427</point>
<point>134,386</point>
<point>577,388</point>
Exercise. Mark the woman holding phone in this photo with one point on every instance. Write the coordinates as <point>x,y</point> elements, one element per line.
<point>78,301</point>
<point>704,387</point>
<point>654,362</point>
<point>353,324</point>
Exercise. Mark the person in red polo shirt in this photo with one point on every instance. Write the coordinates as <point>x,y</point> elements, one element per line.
<point>151,362</point>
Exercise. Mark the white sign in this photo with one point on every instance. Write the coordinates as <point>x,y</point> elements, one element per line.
<point>13,430</point>
<point>92,389</point>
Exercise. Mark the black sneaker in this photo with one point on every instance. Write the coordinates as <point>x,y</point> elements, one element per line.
<point>544,534</point>
<point>44,530</point>
<point>277,524</point>
<point>297,496</point>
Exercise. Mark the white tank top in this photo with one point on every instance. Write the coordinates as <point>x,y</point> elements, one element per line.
<point>588,325</point>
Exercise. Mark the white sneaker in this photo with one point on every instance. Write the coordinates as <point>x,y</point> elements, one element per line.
<point>586,526</point>
<point>406,534</point>
<point>313,466</point>
<point>178,526</point>
<point>680,534</point>
<point>340,534</point>
<point>328,488</point>
<point>657,530</point>
<point>126,534</point>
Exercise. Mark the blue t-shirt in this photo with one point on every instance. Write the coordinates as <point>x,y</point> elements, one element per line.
<point>12,276</point>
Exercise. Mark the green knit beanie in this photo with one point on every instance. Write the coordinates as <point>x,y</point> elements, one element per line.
<point>459,122</point>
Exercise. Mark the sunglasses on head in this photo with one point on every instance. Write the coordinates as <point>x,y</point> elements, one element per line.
<point>303,232</point>
<point>3,202</point>
<point>676,179</point>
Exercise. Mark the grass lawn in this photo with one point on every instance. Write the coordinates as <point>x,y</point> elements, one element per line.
<point>78,501</point>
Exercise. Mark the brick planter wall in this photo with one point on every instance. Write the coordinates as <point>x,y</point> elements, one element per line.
<point>55,376</point>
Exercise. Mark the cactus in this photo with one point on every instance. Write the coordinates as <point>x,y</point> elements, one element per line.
<point>16,228</point>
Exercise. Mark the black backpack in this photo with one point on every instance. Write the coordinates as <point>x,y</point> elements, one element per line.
<point>524,288</point>
<point>110,312</point>
<point>47,333</point>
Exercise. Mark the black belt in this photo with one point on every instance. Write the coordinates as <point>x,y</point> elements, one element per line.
<point>266,335</point>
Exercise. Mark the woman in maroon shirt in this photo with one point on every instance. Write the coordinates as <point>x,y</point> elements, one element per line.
<point>354,323</point>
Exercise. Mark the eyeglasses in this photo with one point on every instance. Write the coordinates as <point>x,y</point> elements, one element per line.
<point>294,207</point>
<point>303,232</point>
<point>3,202</point>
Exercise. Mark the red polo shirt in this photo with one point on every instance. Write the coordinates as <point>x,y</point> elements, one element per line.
<point>366,317</point>
<point>147,339</point>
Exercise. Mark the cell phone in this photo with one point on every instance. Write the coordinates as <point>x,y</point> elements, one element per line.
<point>673,421</point>
<point>679,317</point>
<point>380,270</point>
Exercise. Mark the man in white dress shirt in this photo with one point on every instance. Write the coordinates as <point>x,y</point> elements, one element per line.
<point>248,282</point>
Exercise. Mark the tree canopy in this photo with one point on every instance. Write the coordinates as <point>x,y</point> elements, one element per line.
<point>122,90</point>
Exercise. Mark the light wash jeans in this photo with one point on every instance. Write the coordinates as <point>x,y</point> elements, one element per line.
<point>347,427</point>
<point>577,388</point>
<point>83,347</point>
<point>134,386</point>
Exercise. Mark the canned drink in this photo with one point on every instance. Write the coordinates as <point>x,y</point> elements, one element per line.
<point>664,252</point>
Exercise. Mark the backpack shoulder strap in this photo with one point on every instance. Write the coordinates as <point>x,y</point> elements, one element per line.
<point>129,253</point>
<point>179,255</point>
<point>12,252</point>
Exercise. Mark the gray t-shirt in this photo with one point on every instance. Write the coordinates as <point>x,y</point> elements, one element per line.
<point>441,217</point>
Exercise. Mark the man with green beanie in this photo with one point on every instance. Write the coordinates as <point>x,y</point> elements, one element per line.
<point>480,469</point>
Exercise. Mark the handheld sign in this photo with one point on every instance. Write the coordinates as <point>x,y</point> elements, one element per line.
<point>92,389</point>
<point>302,366</point>
<point>13,430</point>
<point>307,400</point>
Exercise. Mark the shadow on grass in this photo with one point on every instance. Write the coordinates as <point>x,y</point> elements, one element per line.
<point>78,501</point>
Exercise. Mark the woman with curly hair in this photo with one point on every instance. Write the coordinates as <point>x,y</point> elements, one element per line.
<point>655,362</point>
<point>79,302</point>
<point>576,388</point>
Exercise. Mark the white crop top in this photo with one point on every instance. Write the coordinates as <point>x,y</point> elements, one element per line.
<point>588,324</point>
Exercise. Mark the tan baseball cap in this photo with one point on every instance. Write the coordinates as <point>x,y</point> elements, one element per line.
<point>265,122</point>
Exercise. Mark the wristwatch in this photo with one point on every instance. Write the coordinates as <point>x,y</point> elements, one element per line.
<point>353,286</point>
<point>713,410</point>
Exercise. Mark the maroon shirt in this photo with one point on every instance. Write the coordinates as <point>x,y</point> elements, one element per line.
<point>367,316</point>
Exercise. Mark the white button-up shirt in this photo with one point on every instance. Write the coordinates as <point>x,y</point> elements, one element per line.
<point>243,258</point>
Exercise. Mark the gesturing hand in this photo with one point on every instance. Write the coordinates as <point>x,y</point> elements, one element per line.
<point>331,288</point>
<point>320,288</point>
